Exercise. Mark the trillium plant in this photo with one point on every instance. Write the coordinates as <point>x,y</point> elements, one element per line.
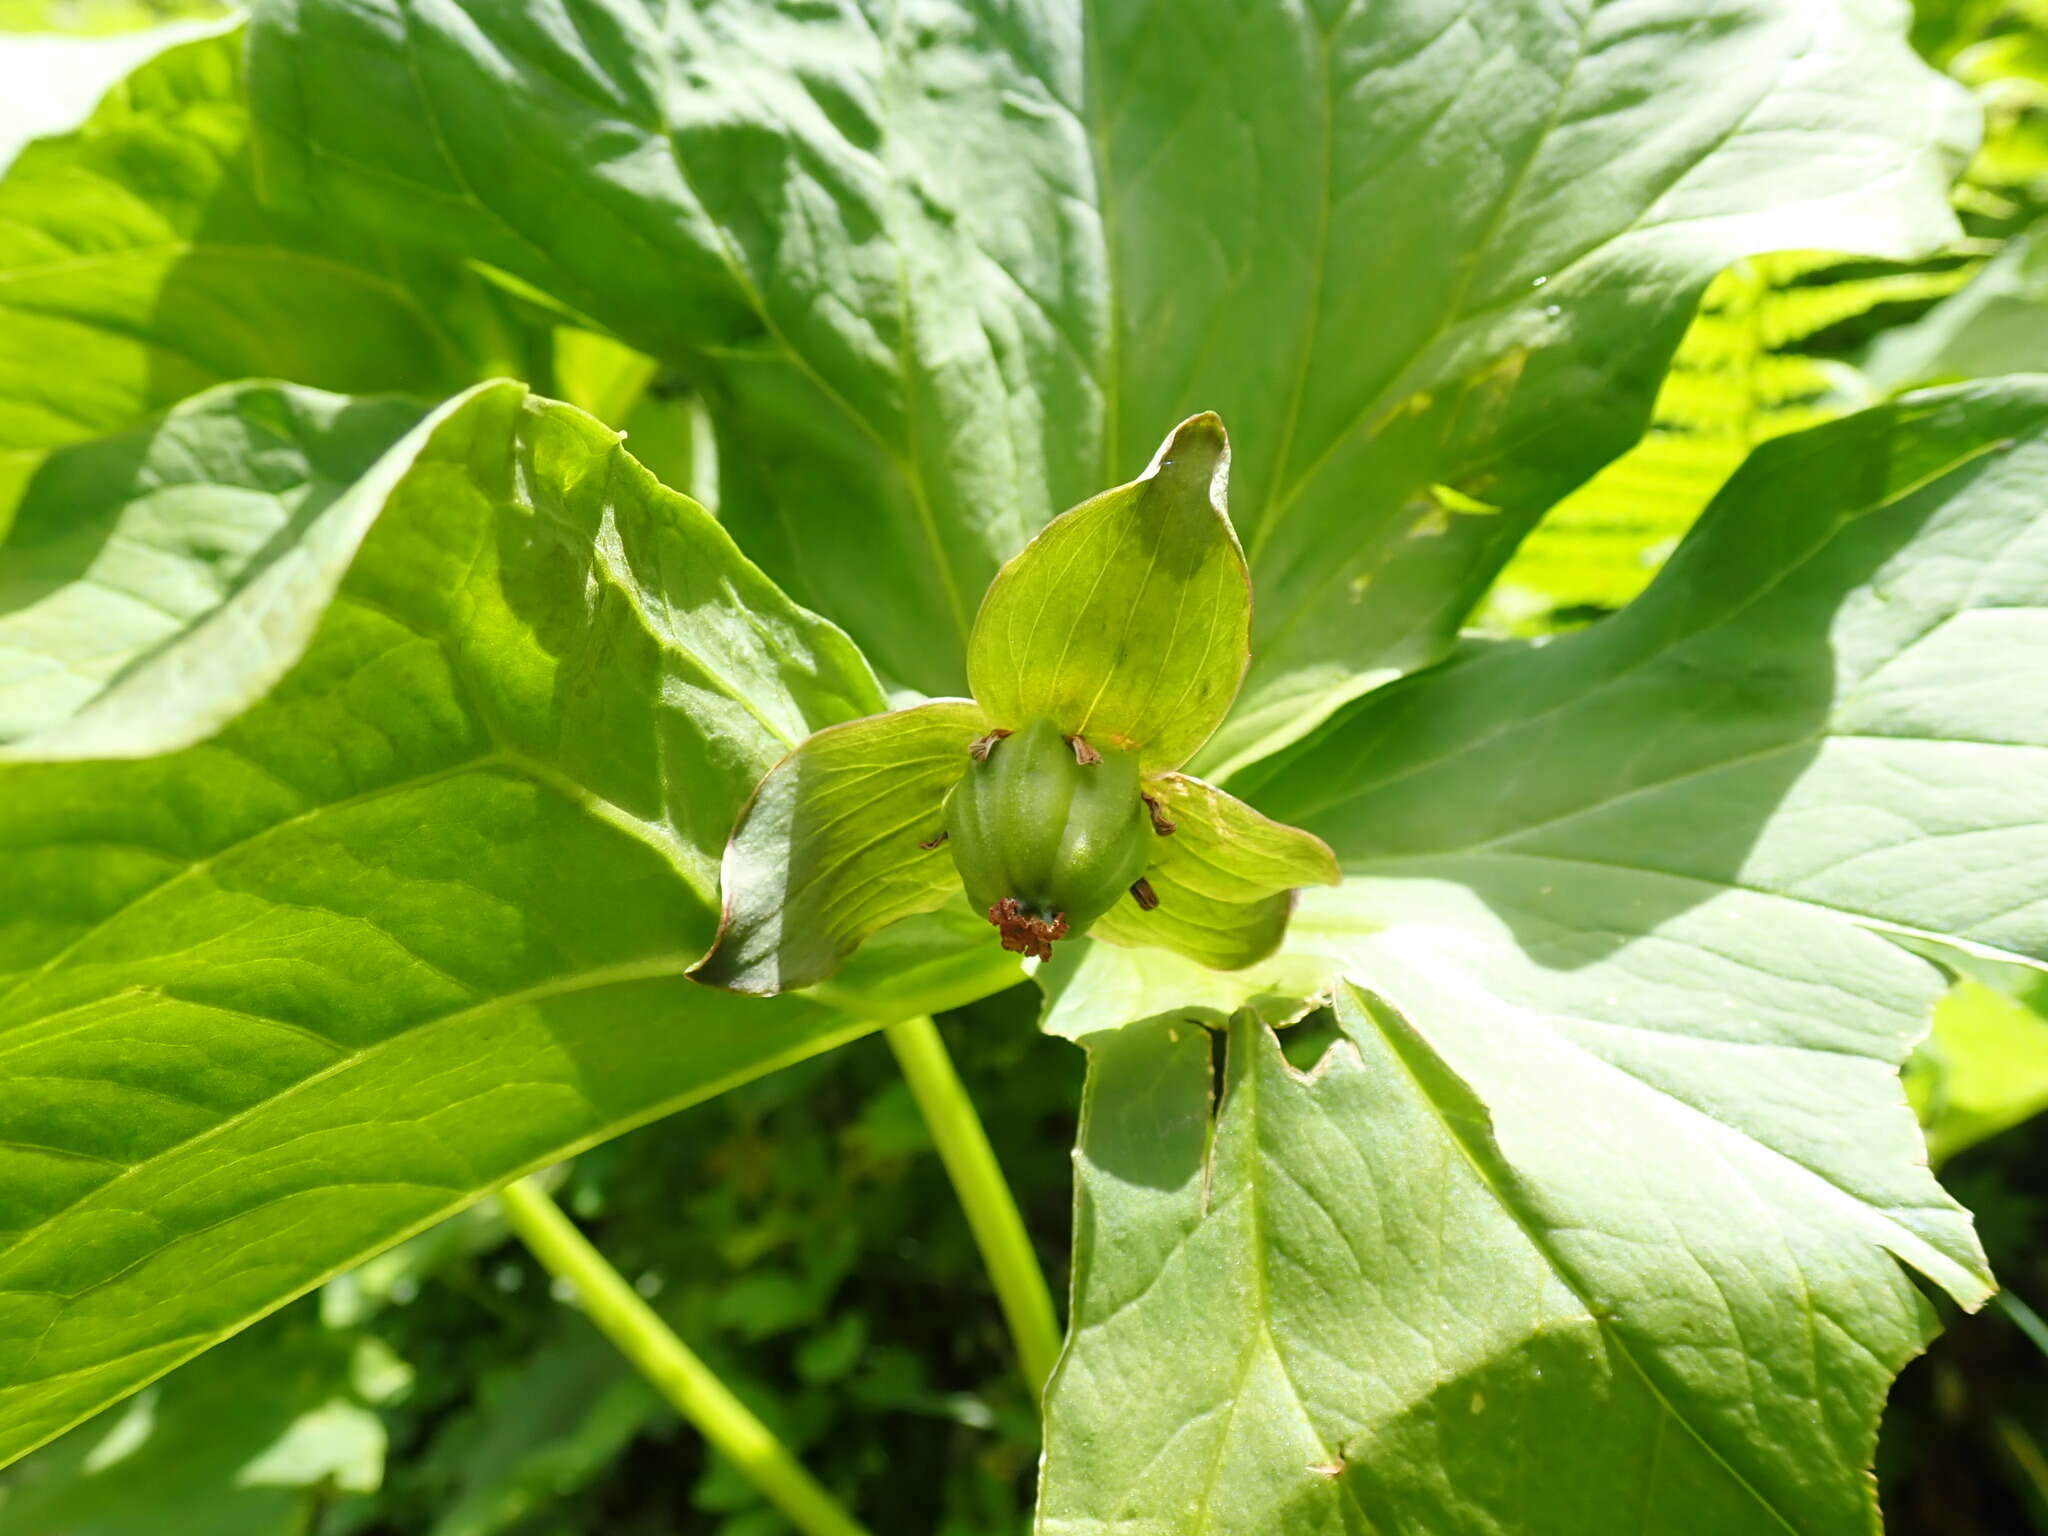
<point>535,592</point>
<point>1105,654</point>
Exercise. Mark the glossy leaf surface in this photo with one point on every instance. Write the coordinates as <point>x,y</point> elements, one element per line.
<point>1613,1162</point>
<point>136,268</point>
<point>157,582</point>
<point>948,269</point>
<point>414,922</point>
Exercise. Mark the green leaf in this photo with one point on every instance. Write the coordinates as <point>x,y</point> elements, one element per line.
<point>1982,1071</point>
<point>50,84</point>
<point>1091,988</point>
<point>945,273</point>
<point>1127,620</point>
<point>1224,879</point>
<point>600,375</point>
<point>95,18</point>
<point>1999,324</point>
<point>241,1444</point>
<point>158,582</point>
<point>417,921</point>
<point>136,268</point>
<point>541,1429</point>
<point>833,846</point>
<point>1616,1148</point>
<point>1488,1345</point>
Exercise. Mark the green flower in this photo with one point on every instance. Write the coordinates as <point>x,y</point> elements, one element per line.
<point>1103,656</point>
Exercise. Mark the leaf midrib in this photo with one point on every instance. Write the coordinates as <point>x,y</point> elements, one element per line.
<point>1253,1040</point>
<point>1562,1273</point>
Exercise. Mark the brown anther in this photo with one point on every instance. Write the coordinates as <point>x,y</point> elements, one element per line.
<point>1084,754</point>
<point>1026,933</point>
<point>1160,823</point>
<point>932,842</point>
<point>1143,894</point>
<point>981,749</point>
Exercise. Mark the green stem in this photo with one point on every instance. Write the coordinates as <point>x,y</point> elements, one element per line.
<point>671,1366</point>
<point>984,1195</point>
<point>2025,1318</point>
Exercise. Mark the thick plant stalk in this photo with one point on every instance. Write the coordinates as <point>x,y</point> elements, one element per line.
<point>674,1369</point>
<point>984,1194</point>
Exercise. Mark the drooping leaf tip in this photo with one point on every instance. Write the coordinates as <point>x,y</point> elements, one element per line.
<point>1197,455</point>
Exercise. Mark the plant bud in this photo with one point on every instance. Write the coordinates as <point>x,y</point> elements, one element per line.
<point>1046,843</point>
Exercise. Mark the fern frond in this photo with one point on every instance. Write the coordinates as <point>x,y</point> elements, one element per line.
<point>1796,314</point>
<point>1736,380</point>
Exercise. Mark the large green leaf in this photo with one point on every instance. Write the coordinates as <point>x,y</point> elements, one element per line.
<point>945,269</point>
<point>243,1444</point>
<point>416,921</point>
<point>1999,324</point>
<point>158,582</point>
<point>1606,1202</point>
<point>137,268</point>
<point>50,84</point>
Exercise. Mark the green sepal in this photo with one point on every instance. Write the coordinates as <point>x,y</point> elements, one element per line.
<point>1225,878</point>
<point>1128,619</point>
<point>830,847</point>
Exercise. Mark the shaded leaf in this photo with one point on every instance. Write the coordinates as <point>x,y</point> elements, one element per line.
<point>943,273</point>
<point>1999,324</point>
<point>1616,1146</point>
<point>1126,621</point>
<point>239,1445</point>
<point>416,921</point>
<point>158,582</point>
<point>543,1428</point>
<point>1736,380</point>
<point>134,250</point>
<point>830,849</point>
